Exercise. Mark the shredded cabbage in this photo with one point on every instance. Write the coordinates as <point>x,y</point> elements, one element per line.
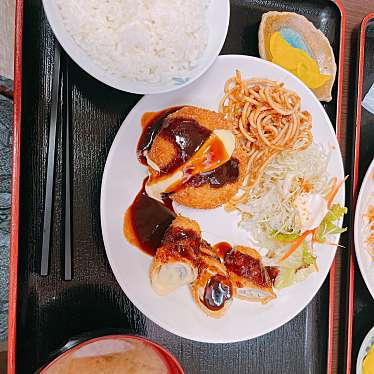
<point>270,212</point>
<point>271,216</point>
<point>284,237</point>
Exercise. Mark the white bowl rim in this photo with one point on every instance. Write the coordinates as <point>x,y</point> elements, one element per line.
<point>82,59</point>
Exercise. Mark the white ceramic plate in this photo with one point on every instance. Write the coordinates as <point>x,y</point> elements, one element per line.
<point>367,343</point>
<point>122,179</point>
<point>364,260</point>
<point>218,15</point>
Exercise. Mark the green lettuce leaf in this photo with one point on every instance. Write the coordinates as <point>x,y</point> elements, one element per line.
<point>308,258</point>
<point>328,226</point>
<point>295,261</point>
<point>283,237</point>
<point>304,273</point>
<point>288,276</point>
<point>297,267</point>
<point>285,278</point>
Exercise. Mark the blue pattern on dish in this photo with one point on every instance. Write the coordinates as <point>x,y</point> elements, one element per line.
<point>371,343</point>
<point>179,81</point>
<point>296,40</point>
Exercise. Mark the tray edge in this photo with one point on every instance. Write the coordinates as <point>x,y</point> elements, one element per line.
<point>330,343</point>
<point>13,273</point>
<point>354,192</point>
<point>13,266</point>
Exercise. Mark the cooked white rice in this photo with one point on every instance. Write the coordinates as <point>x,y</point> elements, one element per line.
<point>145,40</point>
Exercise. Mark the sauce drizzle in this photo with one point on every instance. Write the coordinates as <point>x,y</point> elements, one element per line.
<point>224,174</point>
<point>183,241</point>
<point>210,164</point>
<point>222,249</point>
<point>273,272</point>
<point>187,137</point>
<point>146,221</point>
<point>151,124</point>
<point>217,291</point>
<point>248,267</point>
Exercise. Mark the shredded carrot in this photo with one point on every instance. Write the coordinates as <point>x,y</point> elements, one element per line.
<point>334,180</point>
<point>305,187</point>
<point>296,245</point>
<point>331,195</point>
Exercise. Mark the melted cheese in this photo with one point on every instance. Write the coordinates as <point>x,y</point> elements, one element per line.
<point>216,150</point>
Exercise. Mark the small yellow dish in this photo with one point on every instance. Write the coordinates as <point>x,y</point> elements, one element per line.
<point>368,364</point>
<point>290,40</point>
<point>296,61</point>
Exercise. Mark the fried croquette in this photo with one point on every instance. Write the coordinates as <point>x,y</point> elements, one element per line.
<point>205,190</point>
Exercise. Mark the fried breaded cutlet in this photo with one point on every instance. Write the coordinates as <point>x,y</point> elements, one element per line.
<point>185,258</point>
<point>249,275</point>
<point>205,190</point>
<point>176,261</point>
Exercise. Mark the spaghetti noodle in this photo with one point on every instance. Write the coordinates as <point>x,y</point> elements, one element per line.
<point>268,119</point>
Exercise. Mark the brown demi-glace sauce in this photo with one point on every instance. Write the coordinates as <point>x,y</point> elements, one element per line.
<point>183,241</point>
<point>226,173</point>
<point>146,221</point>
<point>210,164</point>
<point>187,136</point>
<point>217,291</point>
<point>221,249</point>
<point>151,124</point>
<point>248,267</point>
<point>273,272</point>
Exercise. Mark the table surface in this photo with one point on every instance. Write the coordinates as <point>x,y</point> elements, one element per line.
<point>355,11</point>
<point>7,9</point>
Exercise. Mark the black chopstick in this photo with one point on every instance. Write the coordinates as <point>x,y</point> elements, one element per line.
<point>48,199</point>
<point>67,241</point>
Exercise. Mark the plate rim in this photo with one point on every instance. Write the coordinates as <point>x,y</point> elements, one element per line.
<point>292,315</point>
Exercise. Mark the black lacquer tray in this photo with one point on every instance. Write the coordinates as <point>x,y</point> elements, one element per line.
<point>361,303</point>
<point>46,311</point>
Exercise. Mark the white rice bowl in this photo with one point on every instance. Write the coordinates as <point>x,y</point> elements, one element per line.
<point>141,46</point>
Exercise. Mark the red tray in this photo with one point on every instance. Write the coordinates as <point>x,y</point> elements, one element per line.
<point>360,304</point>
<point>42,341</point>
